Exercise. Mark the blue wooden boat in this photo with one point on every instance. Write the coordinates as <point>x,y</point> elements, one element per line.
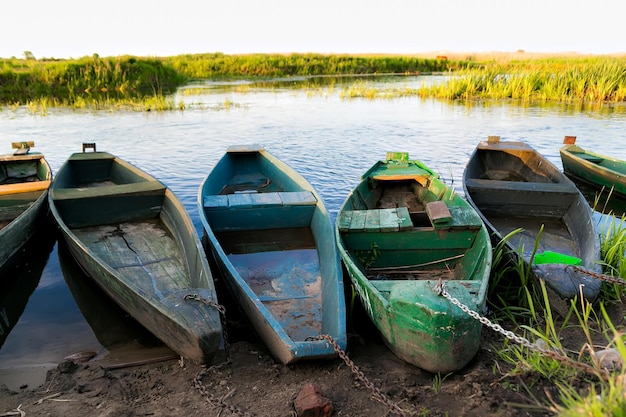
<point>401,232</point>
<point>133,237</point>
<point>272,239</point>
<point>24,180</point>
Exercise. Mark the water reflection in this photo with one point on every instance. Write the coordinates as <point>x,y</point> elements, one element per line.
<point>21,276</point>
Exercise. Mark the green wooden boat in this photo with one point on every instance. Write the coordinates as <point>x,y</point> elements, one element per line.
<point>273,242</point>
<point>597,170</point>
<point>132,235</point>
<point>512,186</point>
<point>24,180</point>
<point>400,233</point>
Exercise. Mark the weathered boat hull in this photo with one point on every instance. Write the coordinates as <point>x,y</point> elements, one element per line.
<point>599,171</point>
<point>513,187</point>
<point>401,233</point>
<point>132,235</point>
<point>272,239</point>
<point>24,182</point>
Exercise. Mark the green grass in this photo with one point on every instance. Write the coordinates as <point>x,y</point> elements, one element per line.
<point>563,350</point>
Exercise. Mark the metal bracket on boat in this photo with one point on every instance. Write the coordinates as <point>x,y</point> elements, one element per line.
<point>89,145</point>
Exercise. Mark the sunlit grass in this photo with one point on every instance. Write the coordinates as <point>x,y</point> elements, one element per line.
<point>585,386</point>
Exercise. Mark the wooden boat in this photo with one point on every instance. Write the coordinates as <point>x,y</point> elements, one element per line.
<point>513,187</point>
<point>401,232</point>
<point>597,170</point>
<point>272,239</point>
<point>24,180</point>
<point>132,235</point>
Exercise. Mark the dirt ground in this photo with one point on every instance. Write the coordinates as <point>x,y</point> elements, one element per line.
<point>253,383</point>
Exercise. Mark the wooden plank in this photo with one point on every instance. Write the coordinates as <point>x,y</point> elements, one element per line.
<point>372,220</point>
<point>215,202</point>
<point>298,198</point>
<point>404,218</point>
<point>543,187</point>
<point>24,187</point>
<point>389,221</point>
<point>113,190</point>
<point>438,212</point>
<point>266,199</point>
<point>358,220</point>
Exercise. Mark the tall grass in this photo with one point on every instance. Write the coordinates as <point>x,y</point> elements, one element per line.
<point>591,388</point>
<point>589,80</point>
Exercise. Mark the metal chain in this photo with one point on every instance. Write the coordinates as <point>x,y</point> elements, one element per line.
<point>601,373</point>
<point>222,310</point>
<point>212,399</point>
<point>602,277</point>
<point>376,393</point>
<point>197,381</point>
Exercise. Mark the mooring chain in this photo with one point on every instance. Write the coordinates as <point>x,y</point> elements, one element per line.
<point>214,400</point>
<point>602,277</point>
<point>222,310</point>
<point>197,381</point>
<point>376,393</point>
<point>602,373</point>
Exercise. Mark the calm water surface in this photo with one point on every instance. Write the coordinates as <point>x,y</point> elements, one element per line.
<point>330,140</point>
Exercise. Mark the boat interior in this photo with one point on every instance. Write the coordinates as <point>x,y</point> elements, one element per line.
<point>402,229</point>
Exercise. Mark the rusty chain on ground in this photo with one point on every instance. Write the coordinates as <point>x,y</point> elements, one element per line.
<point>600,373</point>
<point>215,401</point>
<point>376,393</point>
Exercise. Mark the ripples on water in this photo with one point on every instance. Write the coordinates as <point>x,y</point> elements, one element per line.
<point>330,141</point>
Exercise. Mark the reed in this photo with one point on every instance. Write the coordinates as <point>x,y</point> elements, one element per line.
<point>588,80</point>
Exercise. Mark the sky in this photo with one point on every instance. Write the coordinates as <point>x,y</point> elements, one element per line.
<point>77,28</point>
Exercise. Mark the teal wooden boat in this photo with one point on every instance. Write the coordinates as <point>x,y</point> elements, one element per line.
<point>597,170</point>
<point>272,239</point>
<point>513,186</point>
<point>131,235</point>
<point>24,180</point>
<point>401,232</point>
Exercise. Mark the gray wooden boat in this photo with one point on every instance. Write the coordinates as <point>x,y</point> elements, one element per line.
<point>131,234</point>
<point>24,180</point>
<point>512,186</point>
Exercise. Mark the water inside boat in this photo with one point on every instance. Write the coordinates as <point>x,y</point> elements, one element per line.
<point>282,267</point>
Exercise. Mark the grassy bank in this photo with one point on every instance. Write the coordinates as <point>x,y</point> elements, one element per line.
<point>145,83</point>
<point>131,81</point>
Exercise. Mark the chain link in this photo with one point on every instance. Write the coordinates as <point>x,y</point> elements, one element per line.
<point>601,373</point>
<point>376,393</point>
<point>197,381</point>
<point>222,310</point>
<point>602,277</point>
<point>212,399</point>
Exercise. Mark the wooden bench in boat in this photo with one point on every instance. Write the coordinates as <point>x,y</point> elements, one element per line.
<point>375,220</point>
<point>59,194</point>
<point>249,211</point>
<point>530,187</point>
<point>259,200</point>
<point>89,206</point>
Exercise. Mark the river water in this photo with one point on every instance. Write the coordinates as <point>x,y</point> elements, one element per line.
<point>329,139</point>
